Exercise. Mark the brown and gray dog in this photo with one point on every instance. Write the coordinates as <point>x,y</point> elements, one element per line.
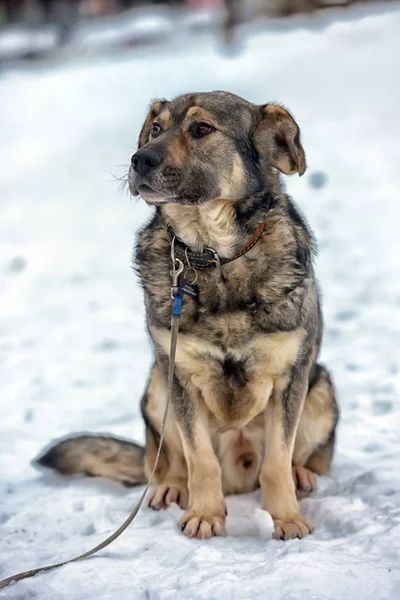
<point>251,405</point>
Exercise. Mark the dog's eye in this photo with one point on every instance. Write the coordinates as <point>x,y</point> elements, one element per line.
<point>155,130</point>
<point>200,129</point>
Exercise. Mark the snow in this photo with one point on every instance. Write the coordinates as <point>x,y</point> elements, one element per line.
<point>74,355</point>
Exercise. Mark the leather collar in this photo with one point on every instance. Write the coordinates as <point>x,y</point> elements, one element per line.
<point>208,257</point>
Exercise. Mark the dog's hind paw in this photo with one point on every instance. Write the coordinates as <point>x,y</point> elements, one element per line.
<point>164,495</point>
<point>304,480</point>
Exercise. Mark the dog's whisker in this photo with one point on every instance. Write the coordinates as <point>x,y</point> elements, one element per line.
<point>119,178</point>
<point>123,182</point>
<point>122,187</point>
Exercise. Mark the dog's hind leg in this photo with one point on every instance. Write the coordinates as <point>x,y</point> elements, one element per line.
<point>171,472</point>
<point>315,439</point>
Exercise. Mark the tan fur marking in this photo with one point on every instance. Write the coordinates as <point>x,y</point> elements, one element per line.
<point>267,357</point>
<point>232,186</point>
<point>276,110</point>
<point>206,498</point>
<point>276,476</point>
<point>288,156</point>
<point>211,224</point>
<point>279,497</point>
<point>116,470</point>
<point>320,460</point>
<point>188,346</point>
<point>316,421</point>
<point>177,154</point>
<point>199,114</point>
<point>165,119</point>
<point>271,353</point>
<point>284,345</point>
<point>274,352</point>
<point>144,134</point>
<point>235,449</point>
<point>174,468</point>
<point>156,107</point>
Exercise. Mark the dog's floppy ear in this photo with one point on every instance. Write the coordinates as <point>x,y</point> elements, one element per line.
<point>277,139</point>
<point>155,110</point>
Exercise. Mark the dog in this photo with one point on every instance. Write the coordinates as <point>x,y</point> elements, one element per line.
<point>251,405</point>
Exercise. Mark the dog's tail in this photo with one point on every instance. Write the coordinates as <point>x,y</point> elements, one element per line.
<point>97,456</point>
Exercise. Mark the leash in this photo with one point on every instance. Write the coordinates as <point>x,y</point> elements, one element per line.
<point>177,268</point>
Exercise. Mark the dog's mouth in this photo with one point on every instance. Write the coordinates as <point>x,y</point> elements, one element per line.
<point>145,189</point>
<point>137,185</point>
<point>156,191</point>
<point>150,195</point>
<point>157,197</point>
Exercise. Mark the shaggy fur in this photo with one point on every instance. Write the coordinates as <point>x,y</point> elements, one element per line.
<point>251,405</point>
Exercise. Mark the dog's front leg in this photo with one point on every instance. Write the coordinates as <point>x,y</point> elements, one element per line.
<point>206,515</point>
<point>282,418</point>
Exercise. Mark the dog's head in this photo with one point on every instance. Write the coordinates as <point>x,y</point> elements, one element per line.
<point>200,147</point>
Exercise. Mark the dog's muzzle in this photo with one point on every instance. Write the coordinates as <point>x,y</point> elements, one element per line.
<point>143,164</point>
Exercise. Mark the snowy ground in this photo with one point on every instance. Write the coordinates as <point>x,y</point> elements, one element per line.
<point>74,354</point>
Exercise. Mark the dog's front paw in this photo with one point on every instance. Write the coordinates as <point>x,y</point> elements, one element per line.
<point>297,527</point>
<point>202,526</point>
<point>163,495</point>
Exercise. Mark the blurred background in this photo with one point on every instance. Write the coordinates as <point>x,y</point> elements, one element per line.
<point>76,80</point>
<point>39,28</point>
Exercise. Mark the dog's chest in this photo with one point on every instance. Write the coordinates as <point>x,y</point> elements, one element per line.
<point>237,383</point>
<point>235,378</point>
<point>242,354</point>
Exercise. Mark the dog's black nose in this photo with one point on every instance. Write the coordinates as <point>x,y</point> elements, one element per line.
<point>145,159</point>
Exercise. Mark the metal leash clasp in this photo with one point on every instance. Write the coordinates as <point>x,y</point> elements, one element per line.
<point>177,268</point>
<point>190,269</point>
<point>217,260</point>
